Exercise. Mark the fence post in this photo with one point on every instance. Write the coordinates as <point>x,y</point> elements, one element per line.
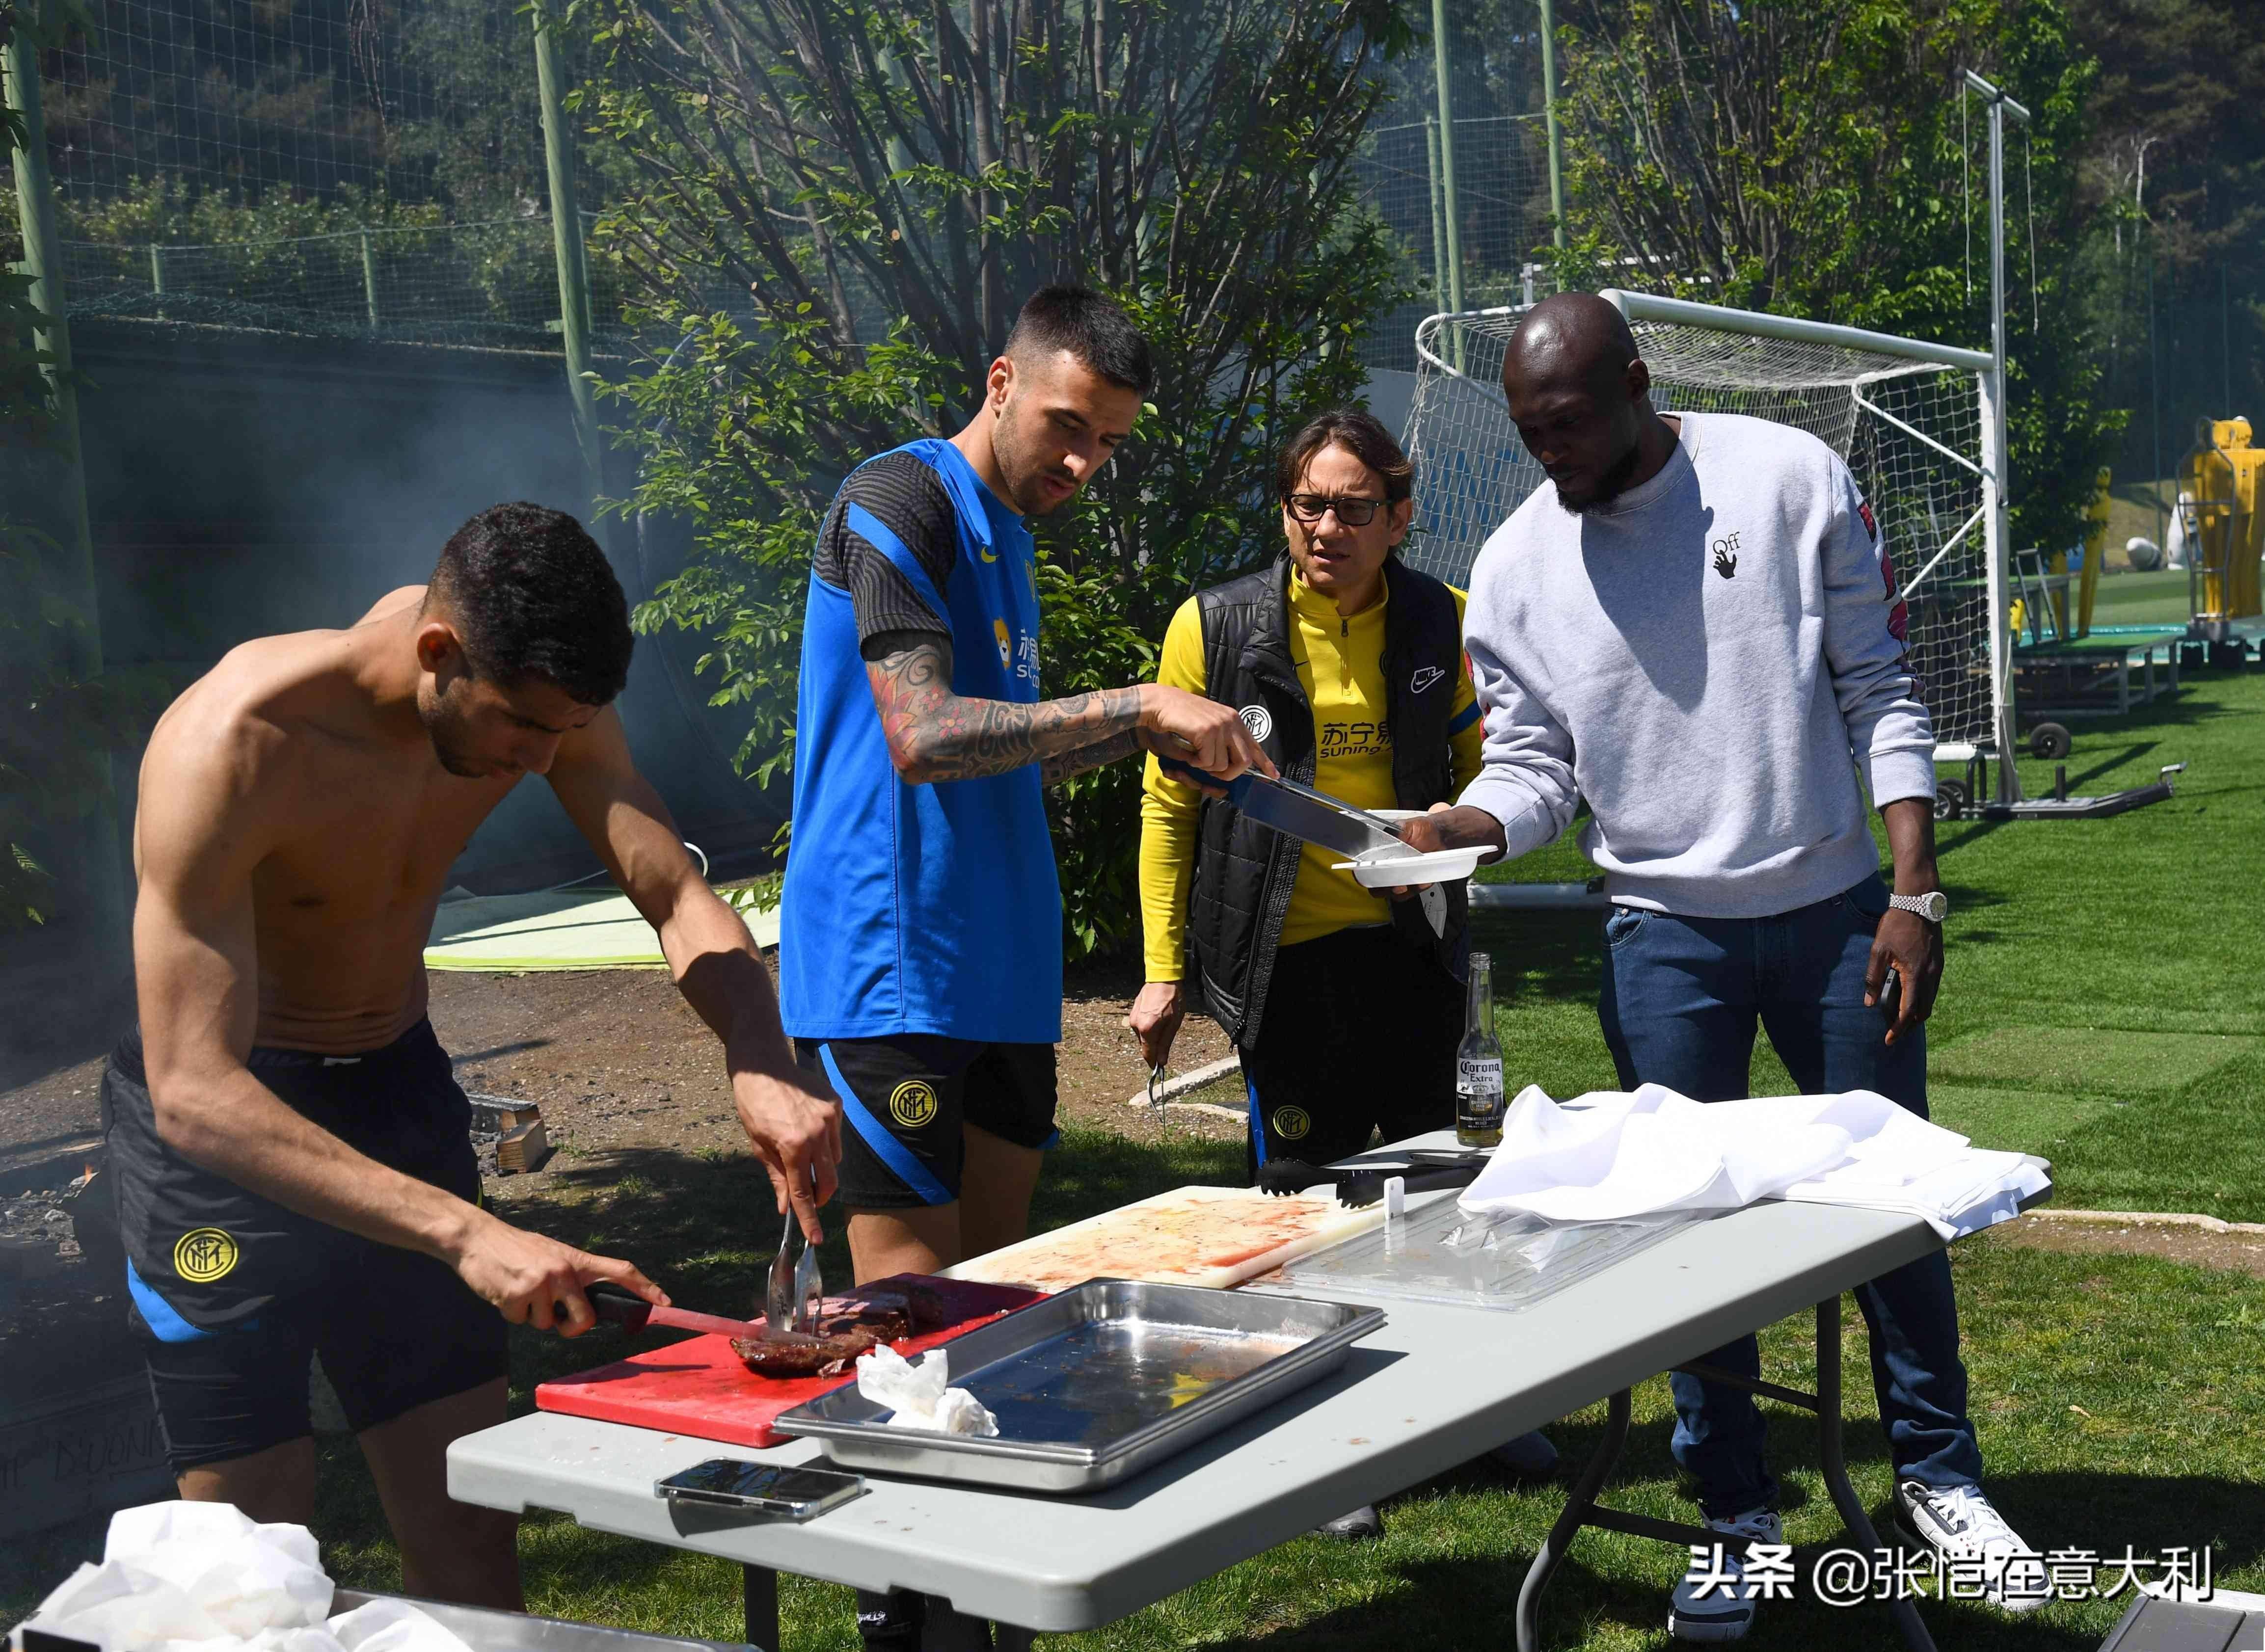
<point>1439,214</point>
<point>1454,296</point>
<point>43,262</point>
<point>369,281</point>
<point>1439,69</point>
<point>566,247</point>
<point>1550,120</point>
<point>157,271</point>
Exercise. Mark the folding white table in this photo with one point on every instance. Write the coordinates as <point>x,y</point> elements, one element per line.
<point>1432,1389</point>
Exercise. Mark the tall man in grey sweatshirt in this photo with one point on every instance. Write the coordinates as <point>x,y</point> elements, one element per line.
<point>1697,629</point>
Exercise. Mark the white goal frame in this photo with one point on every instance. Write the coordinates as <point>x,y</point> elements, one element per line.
<point>1873,359</point>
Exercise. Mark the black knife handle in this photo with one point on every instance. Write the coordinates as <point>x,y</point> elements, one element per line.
<point>617,1306</point>
<point>1204,780</point>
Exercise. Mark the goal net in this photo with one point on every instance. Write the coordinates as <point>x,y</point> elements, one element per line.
<point>1907,417</point>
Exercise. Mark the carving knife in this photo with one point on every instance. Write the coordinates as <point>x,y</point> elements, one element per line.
<point>617,1307</point>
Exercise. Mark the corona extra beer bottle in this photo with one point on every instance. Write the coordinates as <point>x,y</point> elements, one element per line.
<point>1478,1064</point>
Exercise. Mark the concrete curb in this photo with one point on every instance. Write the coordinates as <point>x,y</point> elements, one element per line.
<point>1169,1091</point>
<point>2145,1219</point>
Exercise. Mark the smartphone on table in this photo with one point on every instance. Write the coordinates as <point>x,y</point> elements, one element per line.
<point>733,1482</point>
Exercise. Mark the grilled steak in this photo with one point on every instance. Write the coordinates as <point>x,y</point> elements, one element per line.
<point>796,1354</point>
<point>847,1324</point>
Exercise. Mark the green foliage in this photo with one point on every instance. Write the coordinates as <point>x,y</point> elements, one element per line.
<point>1819,159</point>
<point>886,194</point>
<point>2174,199</point>
<point>250,145</point>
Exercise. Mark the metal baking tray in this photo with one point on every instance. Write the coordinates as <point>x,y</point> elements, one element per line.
<point>1439,1253</point>
<point>1097,1383</point>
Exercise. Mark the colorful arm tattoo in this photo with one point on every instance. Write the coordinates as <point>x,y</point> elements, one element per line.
<point>934,734</point>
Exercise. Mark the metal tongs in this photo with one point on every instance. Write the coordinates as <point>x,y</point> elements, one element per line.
<point>792,1300</point>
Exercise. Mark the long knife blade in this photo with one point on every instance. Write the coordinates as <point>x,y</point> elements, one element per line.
<point>612,1303</point>
<point>1313,816</point>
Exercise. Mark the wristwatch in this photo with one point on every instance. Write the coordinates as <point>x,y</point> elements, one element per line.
<point>1933,905</point>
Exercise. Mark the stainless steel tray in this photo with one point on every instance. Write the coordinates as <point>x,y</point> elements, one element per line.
<point>1097,1383</point>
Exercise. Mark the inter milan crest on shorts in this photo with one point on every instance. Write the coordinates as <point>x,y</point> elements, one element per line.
<point>204,1255</point>
<point>913,1103</point>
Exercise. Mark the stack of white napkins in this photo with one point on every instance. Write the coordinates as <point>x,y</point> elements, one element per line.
<point>204,1577</point>
<point>1611,1156</point>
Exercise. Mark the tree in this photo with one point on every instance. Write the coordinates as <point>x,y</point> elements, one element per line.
<point>2171,175</point>
<point>1821,158</point>
<point>885,184</point>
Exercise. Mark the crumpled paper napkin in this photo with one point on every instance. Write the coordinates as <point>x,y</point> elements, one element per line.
<point>206,1577</point>
<point>918,1396</point>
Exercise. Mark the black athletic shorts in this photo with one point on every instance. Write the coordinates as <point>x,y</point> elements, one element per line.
<point>905,1097</point>
<point>233,1292</point>
<point>1359,1035</point>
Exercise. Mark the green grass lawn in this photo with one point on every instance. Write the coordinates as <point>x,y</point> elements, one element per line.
<point>2102,1007</point>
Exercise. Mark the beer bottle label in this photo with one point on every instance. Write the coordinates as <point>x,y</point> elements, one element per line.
<point>1479,1080</point>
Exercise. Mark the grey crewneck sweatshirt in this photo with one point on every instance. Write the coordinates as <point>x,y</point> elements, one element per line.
<point>1710,661</point>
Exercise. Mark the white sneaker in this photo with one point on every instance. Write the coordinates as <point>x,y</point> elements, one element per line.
<point>1959,1524</point>
<point>1718,1604</point>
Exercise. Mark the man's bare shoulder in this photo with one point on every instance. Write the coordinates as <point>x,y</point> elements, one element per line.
<point>267,704</point>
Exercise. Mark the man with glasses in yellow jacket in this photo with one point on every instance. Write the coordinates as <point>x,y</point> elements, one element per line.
<point>1345,1005</point>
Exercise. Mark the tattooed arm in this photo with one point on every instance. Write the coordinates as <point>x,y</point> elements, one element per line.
<point>1054,770</point>
<point>934,734</point>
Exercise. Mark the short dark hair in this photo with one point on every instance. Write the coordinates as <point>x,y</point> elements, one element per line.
<point>533,596</point>
<point>1360,433</point>
<point>1094,330</point>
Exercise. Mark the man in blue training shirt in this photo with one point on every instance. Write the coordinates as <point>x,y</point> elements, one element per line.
<point>920,935</point>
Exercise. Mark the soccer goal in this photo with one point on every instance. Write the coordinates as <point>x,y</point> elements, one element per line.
<point>1912,419</point>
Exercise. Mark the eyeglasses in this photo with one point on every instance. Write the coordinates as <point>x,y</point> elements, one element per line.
<point>1353,512</point>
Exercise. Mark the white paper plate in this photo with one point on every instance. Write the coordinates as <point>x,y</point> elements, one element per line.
<point>1388,868</point>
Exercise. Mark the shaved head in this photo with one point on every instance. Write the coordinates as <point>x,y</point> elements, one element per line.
<point>1575,336</point>
<point>1580,396</point>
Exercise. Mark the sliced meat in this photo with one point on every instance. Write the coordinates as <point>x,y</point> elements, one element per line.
<point>800,1356</point>
<point>847,1324</point>
<point>887,1314</point>
<point>929,1311</point>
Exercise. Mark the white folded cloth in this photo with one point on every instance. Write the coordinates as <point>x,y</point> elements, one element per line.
<point>1612,1156</point>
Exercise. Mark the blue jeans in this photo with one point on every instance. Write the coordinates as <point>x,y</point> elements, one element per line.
<point>1680,1000</point>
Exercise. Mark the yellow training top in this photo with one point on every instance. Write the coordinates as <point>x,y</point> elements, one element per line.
<point>1340,659</point>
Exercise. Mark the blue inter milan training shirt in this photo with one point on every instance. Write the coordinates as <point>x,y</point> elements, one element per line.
<point>929,908</point>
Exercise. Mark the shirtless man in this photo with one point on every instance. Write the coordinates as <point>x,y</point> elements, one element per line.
<point>295,1171</point>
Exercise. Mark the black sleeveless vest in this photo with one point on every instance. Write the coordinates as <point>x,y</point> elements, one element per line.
<point>1244,872</point>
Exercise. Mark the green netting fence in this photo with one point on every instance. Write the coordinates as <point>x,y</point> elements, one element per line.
<point>365,168</point>
<point>375,169</point>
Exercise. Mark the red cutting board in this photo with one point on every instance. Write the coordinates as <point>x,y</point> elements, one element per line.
<point>699,1388</point>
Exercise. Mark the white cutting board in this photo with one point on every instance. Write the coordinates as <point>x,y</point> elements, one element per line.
<point>1205,1236</point>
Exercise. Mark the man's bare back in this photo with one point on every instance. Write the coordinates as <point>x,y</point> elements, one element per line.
<point>362,823</point>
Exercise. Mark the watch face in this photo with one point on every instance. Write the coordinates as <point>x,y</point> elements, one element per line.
<point>1933,905</point>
